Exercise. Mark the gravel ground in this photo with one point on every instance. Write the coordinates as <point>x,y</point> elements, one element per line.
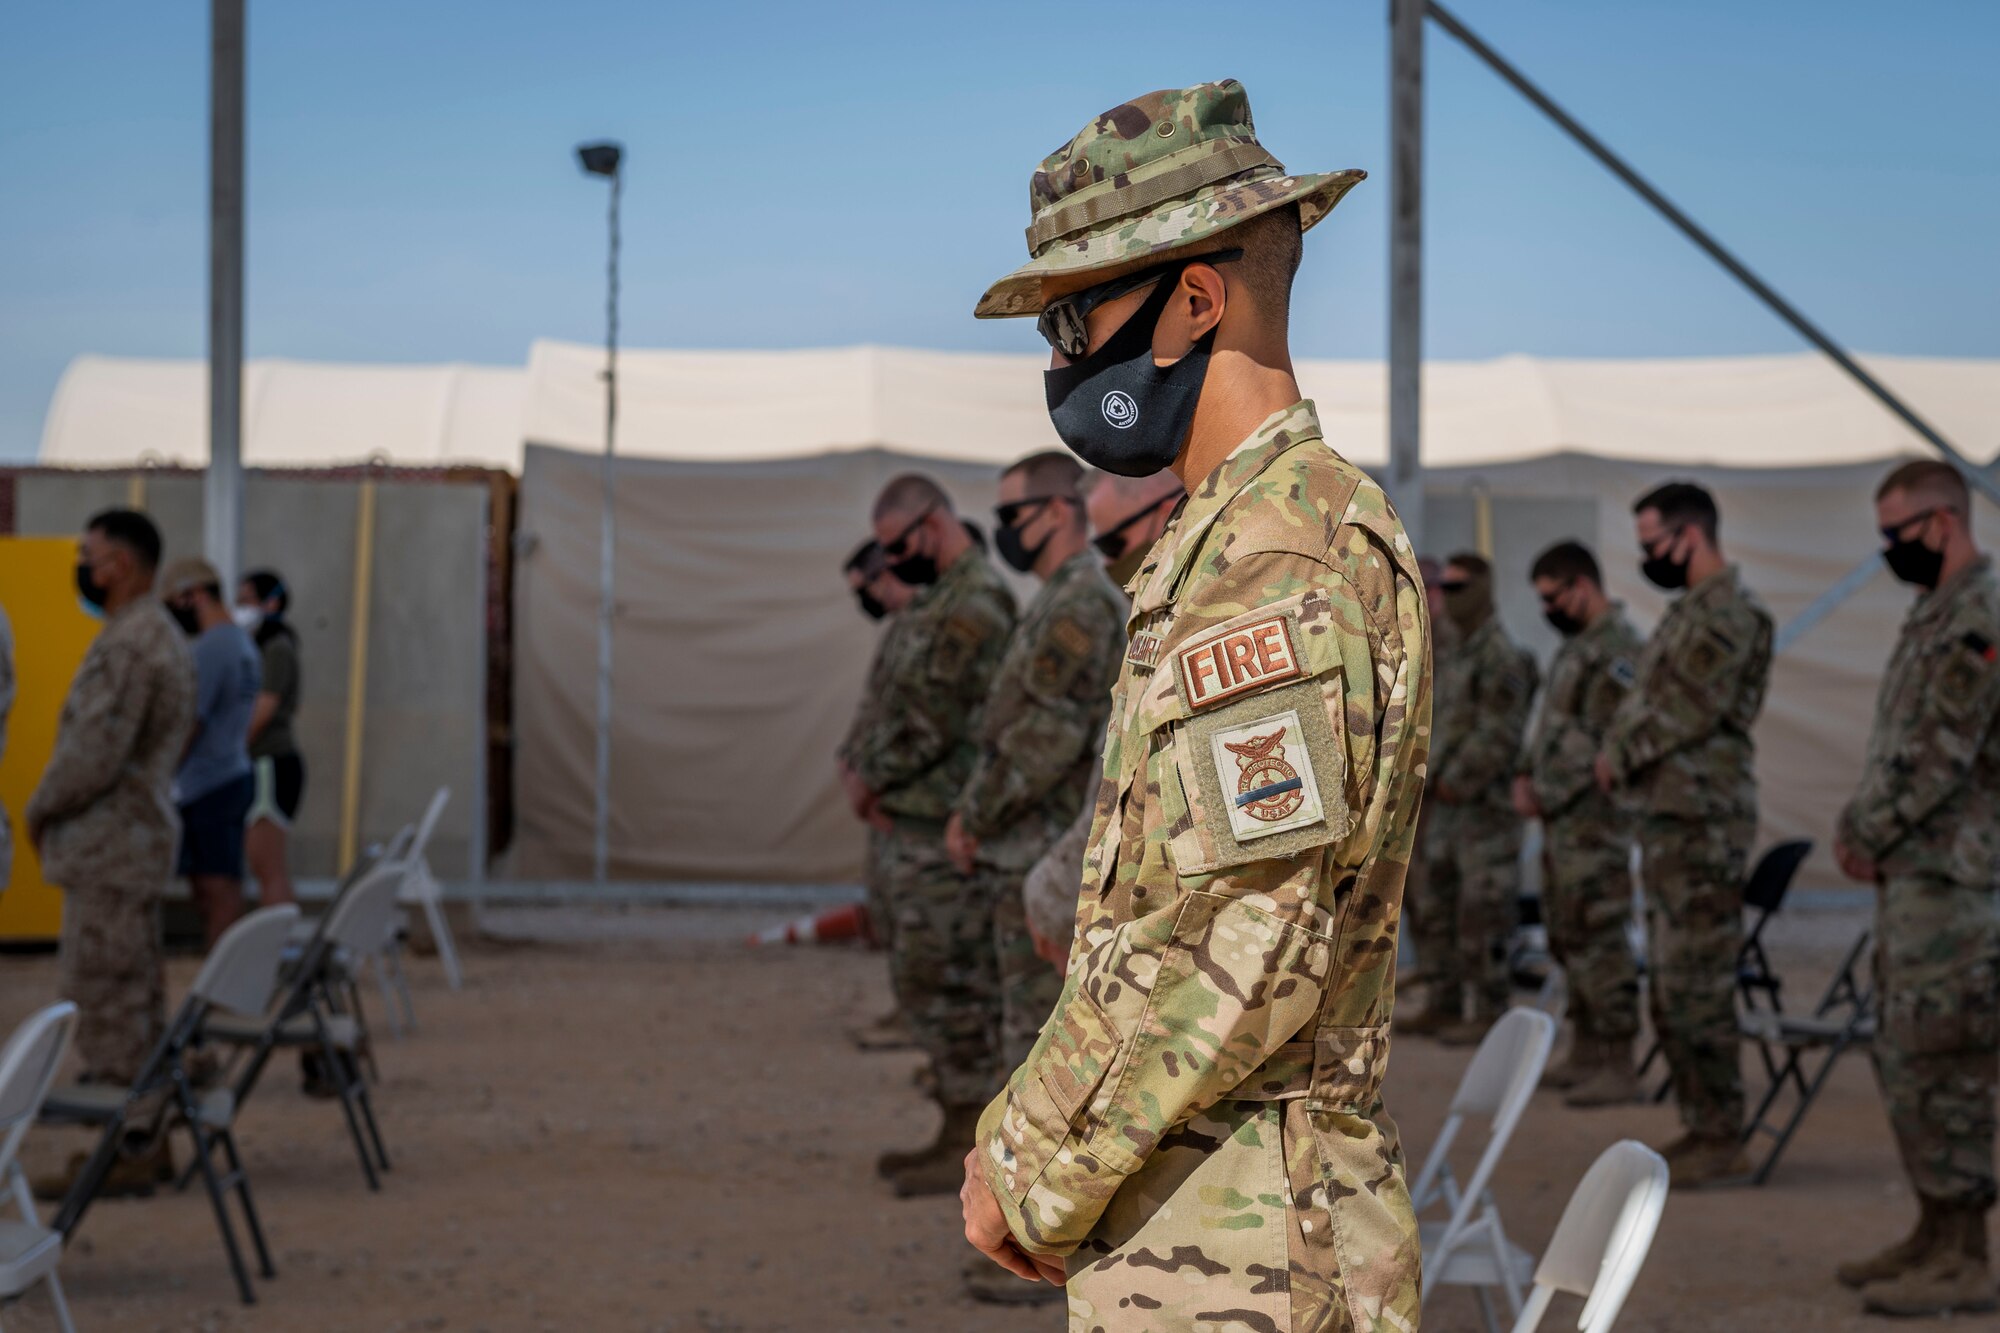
<point>628,1121</point>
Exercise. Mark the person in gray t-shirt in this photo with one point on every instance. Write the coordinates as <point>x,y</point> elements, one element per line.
<point>213,786</point>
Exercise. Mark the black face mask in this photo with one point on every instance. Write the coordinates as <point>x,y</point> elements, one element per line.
<point>184,617</point>
<point>1663,571</point>
<point>1562,622</point>
<point>871,606</point>
<point>1016,552</point>
<point>1914,562</point>
<point>1118,411</point>
<point>87,586</point>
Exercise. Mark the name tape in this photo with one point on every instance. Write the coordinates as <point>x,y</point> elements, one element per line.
<point>1247,657</point>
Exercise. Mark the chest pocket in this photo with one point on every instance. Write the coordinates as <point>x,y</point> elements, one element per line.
<point>1246,742</point>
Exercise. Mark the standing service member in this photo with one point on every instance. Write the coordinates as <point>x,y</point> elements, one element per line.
<point>1200,1127</point>
<point>1925,828</point>
<point>102,818</point>
<point>278,769</point>
<point>1679,749</point>
<point>911,764</point>
<point>1586,837</point>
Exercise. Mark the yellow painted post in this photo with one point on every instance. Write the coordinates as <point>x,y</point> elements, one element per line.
<point>135,491</point>
<point>357,673</point>
<point>1482,522</point>
<point>51,635</point>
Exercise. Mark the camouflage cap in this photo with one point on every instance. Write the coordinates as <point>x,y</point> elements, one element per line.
<point>187,573</point>
<point>1157,173</point>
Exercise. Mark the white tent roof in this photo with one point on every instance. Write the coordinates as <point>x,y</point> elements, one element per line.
<point>1773,411</point>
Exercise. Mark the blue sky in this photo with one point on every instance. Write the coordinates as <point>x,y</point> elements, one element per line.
<point>810,174</point>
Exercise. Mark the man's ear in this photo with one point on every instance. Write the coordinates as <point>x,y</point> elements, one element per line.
<point>1200,296</point>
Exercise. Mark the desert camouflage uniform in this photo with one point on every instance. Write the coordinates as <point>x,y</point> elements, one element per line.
<point>881,912</point>
<point>1680,749</point>
<point>1200,1129</point>
<point>1928,815</point>
<point>916,756</point>
<point>1038,739</point>
<point>1586,836</point>
<point>106,810</point>
<point>1485,688</point>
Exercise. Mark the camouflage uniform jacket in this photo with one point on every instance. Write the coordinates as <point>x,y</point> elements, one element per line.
<point>918,749</point>
<point>867,712</point>
<point>105,801</point>
<point>1592,672</point>
<point>1680,742</point>
<point>1929,802</point>
<point>1236,935</point>
<point>1485,689</point>
<point>1039,730</point>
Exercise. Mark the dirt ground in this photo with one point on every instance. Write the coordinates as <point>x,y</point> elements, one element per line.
<point>634,1123</point>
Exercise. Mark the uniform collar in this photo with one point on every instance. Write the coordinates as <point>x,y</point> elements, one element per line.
<point>1935,601</point>
<point>1167,564</point>
<point>1719,584</point>
<point>1602,626</point>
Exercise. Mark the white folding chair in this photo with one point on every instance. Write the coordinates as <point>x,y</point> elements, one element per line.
<point>1469,1247</point>
<point>1601,1242</point>
<point>421,889</point>
<point>30,1251</point>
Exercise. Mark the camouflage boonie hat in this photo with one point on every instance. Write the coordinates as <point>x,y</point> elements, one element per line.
<point>1155,174</point>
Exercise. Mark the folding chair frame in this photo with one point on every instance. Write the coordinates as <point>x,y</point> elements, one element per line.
<point>1846,995</point>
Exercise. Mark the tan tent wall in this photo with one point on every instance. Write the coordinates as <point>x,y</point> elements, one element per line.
<point>426,722</point>
<point>741,654</point>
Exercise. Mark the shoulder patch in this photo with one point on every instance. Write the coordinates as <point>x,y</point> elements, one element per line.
<point>1980,645</point>
<point>1061,656</point>
<point>1709,654</point>
<point>957,644</point>
<point>1622,671</point>
<point>1221,665</point>
<point>1266,777</point>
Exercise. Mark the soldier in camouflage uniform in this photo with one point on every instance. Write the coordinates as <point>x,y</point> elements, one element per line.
<point>1472,851</point>
<point>1038,750</point>
<point>911,765</point>
<point>1586,838</point>
<point>1198,1137</point>
<point>880,596</point>
<point>1040,727</point>
<point>1679,751</point>
<point>1924,827</point>
<point>102,818</point>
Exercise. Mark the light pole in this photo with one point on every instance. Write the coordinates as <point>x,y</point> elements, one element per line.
<point>605,159</point>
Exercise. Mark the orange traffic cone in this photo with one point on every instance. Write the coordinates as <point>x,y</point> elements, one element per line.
<point>836,923</point>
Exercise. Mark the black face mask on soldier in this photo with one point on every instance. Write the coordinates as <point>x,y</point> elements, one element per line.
<point>1910,560</point>
<point>871,606</point>
<point>184,616</point>
<point>915,570</point>
<point>87,586</point>
<point>1663,571</point>
<point>1114,408</point>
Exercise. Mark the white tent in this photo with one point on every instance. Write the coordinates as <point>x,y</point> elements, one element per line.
<point>744,479</point>
<point>746,406</point>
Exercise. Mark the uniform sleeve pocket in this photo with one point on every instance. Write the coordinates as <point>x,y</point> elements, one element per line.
<point>1053,1096</point>
<point>1949,1013</point>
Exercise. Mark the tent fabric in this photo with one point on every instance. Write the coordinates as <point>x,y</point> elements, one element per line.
<point>121,412</point>
<point>745,406</point>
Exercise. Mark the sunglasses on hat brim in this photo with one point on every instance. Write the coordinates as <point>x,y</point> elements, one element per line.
<point>1064,322</point>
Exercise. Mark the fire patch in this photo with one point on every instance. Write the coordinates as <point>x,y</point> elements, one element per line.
<point>1266,776</point>
<point>1220,666</point>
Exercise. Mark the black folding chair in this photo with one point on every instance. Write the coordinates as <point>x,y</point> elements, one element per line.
<point>239,975</point>
<point>1758,986</point>
<point>319,1010</point>
<point>1843,1020</point>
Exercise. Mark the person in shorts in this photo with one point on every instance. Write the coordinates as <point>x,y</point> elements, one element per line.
<point>213,786</point>
<point>279,771</point>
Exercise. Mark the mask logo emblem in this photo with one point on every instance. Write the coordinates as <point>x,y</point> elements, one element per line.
<point>1119,409</point>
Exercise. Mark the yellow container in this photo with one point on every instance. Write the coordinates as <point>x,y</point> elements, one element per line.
<point>51,634</point>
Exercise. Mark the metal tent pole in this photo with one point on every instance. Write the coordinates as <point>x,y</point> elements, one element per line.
<point>222,487</point>
<point>1405,482</point>
<point>607,556</point>
<point>1806,329</point>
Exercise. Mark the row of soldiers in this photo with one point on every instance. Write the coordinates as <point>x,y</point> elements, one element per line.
<point>1647,743</point>
<point>973,755</point>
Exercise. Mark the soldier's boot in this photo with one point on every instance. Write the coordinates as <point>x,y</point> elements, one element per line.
<point>987,1281</point>
<point>890,1032</point>
<point>1892,1261</point>
<point>1694,1160</point>
<point>1586,1056</point>
<point>1953,1277</point>
<point>941,1170</point>
<point>1612,1083</point>
<point>132,1175</point>
<point>889,1163</point>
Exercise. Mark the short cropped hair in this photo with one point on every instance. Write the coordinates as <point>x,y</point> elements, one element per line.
<point>132,530</point>
<point>1471,562</point>
<point>1565,562</point>
<point>1051,472</point>
<point>1272,249</point>
<point>1931,478</point>
<point>1683,504</point>
<point>909,493</point>
<point>267,584</point>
